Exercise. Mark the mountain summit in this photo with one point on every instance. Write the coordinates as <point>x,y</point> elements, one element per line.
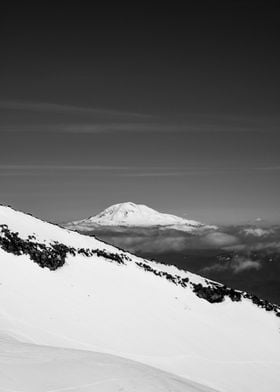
<point>129,214</point>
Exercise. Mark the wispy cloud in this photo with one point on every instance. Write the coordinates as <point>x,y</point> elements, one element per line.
<point>62,167</point>
<point>104,127</point>
<point>64,108</point>
<point>64,118</point>
<point>268,168</point>
<point>39,170</point>
<point>237,265</point>
<point>244,265</point>
<point>219,239</point>
<point>118,170</point>
<point>125,125</point>
<point>6,170</point>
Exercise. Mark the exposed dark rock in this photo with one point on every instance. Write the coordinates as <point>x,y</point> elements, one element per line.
<point>211,294</point>
<point>52,256</point>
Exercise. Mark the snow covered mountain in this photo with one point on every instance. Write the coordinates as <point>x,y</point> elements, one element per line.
<point>71,306</point>
<point>135,215</point>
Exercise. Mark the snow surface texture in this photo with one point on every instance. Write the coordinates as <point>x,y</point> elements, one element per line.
<point>33,368</point>
<point>104,308</point>
<point>135,215</point>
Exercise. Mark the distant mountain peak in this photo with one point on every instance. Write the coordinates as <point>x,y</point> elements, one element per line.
<point>130,214</point>
<point>125,209</point>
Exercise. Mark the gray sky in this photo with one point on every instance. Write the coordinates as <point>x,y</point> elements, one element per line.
<point>180,113</point>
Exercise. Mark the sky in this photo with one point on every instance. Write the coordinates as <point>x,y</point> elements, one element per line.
<point>176,108</point>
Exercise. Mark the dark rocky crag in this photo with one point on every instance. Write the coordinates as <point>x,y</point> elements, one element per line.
<point>52,256</point>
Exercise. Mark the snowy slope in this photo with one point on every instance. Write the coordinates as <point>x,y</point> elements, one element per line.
<point>33,368</point>
<point>134,215</point>
<point>96,304</point>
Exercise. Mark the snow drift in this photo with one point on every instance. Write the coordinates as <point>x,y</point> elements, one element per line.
<point>33,368</point>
